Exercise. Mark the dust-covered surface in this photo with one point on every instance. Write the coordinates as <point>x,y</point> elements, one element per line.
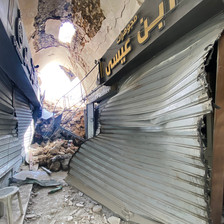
<point>17,217</point>
<point>68,205</point>
<point>53,155</point>
<point>72,119</point>
<point>24,194</point>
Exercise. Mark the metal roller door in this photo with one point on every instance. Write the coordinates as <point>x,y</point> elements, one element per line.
<point>25,121</point>
<point>102,104</point>
<point>147,164</point>
<point>10,148</point>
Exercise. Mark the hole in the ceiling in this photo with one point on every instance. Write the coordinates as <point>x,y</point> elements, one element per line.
<point>66,32</point>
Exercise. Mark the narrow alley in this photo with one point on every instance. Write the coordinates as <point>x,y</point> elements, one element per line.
<point>111,112</point>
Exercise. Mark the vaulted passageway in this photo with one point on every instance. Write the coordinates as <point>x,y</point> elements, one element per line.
<point>123,94</point>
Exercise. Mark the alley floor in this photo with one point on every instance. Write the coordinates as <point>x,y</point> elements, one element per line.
<point>68,205</point>
<point>65,206</point>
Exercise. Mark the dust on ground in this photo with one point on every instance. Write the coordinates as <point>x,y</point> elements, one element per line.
<point>66,206</point>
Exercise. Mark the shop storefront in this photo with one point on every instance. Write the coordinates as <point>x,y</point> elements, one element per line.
<point>18,91</point>
<point>153,159</point>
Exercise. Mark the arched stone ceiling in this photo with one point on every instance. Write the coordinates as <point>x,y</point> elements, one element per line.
<point>97,23</point>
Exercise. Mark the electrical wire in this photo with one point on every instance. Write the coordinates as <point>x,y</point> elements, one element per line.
<point>131,36</point>
<point>77,84</point>
<point>83,99</point>
<point>134,33</point>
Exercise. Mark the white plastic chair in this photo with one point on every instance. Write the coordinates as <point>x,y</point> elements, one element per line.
<point>6,196</point>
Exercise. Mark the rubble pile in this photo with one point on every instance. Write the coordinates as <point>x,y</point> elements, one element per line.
<point>57,137</point>
<point>72,118</point>
<point>49,106</point>
<point>45,125</point>
<point>54,155</point>
<point>44,129</point>
<point>74,122</point>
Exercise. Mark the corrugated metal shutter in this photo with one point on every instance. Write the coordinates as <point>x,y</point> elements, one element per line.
<point>102,104</point>
<point>10,147</point>
<point>147,164</point>
<point>25,121</point>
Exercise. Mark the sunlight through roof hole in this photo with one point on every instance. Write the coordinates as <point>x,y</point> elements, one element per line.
<point>66,32</point>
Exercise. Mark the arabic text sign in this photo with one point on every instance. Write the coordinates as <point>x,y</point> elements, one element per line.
<point>138,30</point>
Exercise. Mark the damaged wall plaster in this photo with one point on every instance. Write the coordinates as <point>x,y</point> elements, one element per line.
<point>52,27</point>
<point>29,9</point>
<point>88,15</point>
<point>97,23</point>
<point>49,9</point>
<point>68,72</point>
<point>118,13</point>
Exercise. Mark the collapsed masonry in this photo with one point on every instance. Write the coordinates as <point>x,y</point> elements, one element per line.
<point>54,155</point>
<point>67,123</point>
<point>58,137</point>
<point>72,118</point>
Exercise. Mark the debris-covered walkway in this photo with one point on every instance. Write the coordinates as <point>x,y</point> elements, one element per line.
<point>65,206</point>
<point>56,205</point>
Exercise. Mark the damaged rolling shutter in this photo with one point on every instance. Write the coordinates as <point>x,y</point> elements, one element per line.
<point>102,104</point>
<point>10,148</point>
<point>147,164</point>
<point>25,121</point>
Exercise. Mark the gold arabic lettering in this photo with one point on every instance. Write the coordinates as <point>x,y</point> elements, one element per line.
<point>172,4</point>
<point>142,36</point>
<point>147,28</point>
<point>127,30</point>
<point>120,57</point>
<point>158,21</point>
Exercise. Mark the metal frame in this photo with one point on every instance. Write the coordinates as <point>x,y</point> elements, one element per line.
<point>218,143</point>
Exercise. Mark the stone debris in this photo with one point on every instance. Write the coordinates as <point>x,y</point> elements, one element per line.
<point>79,212</point>
<point>49,217</point>
<point>69,218</point>
<point>114,220</point>
<point>61,123</point>
<point>69,206</point>
<point>54,155</point>
<point>31,216</point>
<point>53,211</point>
<point>53,222</point>
<point>80,204</point>
<point>90,205</point>
<point>72,118</point>
<point>57,140</point>
<point>97,208</point>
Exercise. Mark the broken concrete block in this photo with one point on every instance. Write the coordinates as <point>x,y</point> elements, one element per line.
<point>80,204</point>
<point>97,208</point>
<point>65,162</point>
<point>69,218</point>
<point>55,166</point>
<point>31,216</point>
<point>114,220</point>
